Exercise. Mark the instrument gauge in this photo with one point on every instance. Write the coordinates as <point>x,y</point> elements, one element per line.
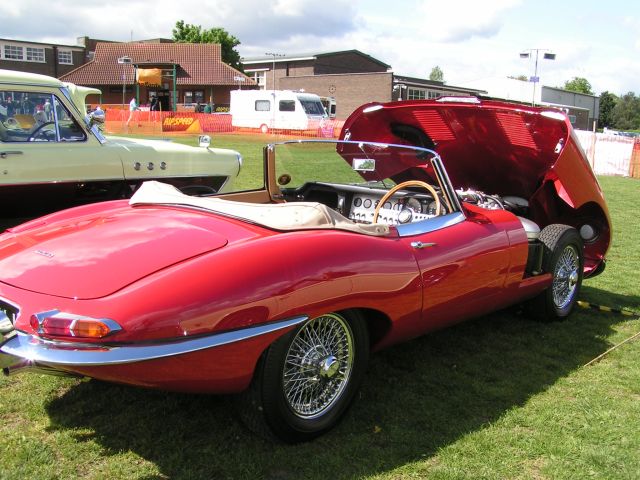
<point>413,204</point>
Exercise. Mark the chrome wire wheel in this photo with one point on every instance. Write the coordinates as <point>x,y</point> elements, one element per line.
<point>566,277</point>
<point>318,365</point>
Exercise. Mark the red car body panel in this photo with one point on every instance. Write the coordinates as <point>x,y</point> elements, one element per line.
<point>172,276</point>
<point>495,147</point>
<point>455,281</point>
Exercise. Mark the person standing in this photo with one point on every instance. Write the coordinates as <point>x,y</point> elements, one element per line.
<point>48,110</point>
<point>154,107</point>
<point>133,108</point>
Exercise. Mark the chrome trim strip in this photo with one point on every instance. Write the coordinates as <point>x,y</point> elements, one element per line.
<point>51,353</point>
<point>430,224</point>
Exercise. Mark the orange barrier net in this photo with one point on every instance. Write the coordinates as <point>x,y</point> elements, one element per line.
<point>145,122</point>
<point>634,167</point>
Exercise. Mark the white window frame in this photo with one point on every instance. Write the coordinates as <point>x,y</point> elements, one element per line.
<point>65,57</point>
<point>259,75</point>
<point>22,53</point>
<point>12,52</point>
<point>416,94</point>
<point>34,54</point>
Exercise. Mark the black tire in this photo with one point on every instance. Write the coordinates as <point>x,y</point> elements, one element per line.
<point>563,258</point>
<point>302,389</point>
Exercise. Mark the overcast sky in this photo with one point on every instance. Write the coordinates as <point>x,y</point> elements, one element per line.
<point>470,40</point>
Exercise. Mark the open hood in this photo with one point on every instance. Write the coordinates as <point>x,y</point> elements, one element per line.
<point>527,153</point>
<point>97,255</point>
<point>489,146</point>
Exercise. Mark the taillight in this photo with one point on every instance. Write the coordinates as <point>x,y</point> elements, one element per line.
<point>60,324</point>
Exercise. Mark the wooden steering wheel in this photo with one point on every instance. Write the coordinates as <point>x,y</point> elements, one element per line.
<point>400,186</point>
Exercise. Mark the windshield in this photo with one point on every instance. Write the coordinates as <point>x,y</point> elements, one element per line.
<point>366,182</point>
<point>312,107</point>
<point>354,163</point>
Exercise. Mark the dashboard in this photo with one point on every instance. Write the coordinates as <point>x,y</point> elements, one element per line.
<point>358,203</point>
<point>401,208</point>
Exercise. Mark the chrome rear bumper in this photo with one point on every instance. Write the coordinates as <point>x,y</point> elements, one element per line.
<point>23,351</point>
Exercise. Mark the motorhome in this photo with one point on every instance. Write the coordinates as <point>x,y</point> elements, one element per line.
<point>269,110</point>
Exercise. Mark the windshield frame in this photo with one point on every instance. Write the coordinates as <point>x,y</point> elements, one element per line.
<point>433,159</point>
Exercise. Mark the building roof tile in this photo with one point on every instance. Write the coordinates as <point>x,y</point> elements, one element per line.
<point>196,64</point>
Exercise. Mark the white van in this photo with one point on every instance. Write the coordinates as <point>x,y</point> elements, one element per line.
<point>276,110</point>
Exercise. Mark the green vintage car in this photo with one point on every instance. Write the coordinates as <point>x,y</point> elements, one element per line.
<point>53,156</point>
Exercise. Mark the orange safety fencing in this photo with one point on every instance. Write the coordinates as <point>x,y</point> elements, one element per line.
<point>146,122</point>
<point>634,167</point>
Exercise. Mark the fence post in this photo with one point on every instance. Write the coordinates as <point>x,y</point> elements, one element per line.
<point>592,160</point>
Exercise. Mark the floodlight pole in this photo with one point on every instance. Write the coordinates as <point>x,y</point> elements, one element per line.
<point>273,94</point>
<point>124,61</point>
<point>535,79</point>
<point>274,55</point>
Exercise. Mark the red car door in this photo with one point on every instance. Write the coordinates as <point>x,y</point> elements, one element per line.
<point>464,263</point>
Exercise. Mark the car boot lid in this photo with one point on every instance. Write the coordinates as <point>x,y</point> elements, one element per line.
<point>99,254</point>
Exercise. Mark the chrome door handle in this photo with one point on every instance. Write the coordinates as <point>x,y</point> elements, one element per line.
<point>421,245</point>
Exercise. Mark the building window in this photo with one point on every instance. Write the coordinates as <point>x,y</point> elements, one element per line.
<point>416,94</point>
<point>65,57</point>
<point>434,94</point>
<point>35,54</point>
<point>18,52</point>
<point>193,97</point>
<point>13,52</point>
<point>260,77</point>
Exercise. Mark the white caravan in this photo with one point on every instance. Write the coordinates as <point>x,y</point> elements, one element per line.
<point>276,110</point>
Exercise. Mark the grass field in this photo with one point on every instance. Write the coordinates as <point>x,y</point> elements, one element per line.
<point>497,397</point>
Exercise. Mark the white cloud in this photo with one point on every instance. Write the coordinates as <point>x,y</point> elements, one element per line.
<point>460,20</point>
<point>468,39</point>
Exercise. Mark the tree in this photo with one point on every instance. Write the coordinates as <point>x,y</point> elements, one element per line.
<point>522,78</point>
<point>607,103</point>
<point>436,74</point>
<point>579,85</point>
<point>626,113</point>
<point>187,33</point>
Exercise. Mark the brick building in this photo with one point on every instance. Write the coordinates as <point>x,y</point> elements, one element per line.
<point>188,73</point>
<point>351,77</point>
<point>49,59</point>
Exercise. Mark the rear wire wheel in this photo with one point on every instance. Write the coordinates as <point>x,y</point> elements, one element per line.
<point>563,258</point>
<point>308,378</point>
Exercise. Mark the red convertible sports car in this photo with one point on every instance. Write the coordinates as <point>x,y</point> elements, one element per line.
<point>422,215</point>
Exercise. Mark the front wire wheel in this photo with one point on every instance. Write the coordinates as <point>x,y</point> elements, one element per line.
<point>318,365</point>
<point>307,379</point>
<point>563,258</point>
<point>565,277</point>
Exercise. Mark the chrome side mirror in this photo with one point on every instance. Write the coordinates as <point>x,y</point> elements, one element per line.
<point>96,117</point>
<point>204,141</point>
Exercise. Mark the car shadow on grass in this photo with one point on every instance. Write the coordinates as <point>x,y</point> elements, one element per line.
<point>417,398</point>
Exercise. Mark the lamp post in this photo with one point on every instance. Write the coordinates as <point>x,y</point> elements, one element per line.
<point>399,87</point>
<point>240,80</point>
<point>124,61</point>
<point>535,79</point>
<point>274,55</point>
